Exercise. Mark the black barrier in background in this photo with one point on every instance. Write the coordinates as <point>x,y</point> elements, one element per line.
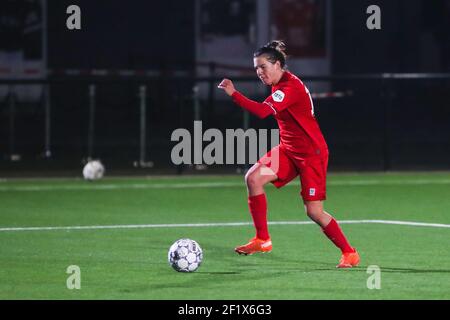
<point>386,122</point>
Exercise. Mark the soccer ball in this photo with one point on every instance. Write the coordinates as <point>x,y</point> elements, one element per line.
<point>93,170</point>
<point>185,255</point>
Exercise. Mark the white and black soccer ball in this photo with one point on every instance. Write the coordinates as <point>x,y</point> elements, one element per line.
<point>185,255</point>
<point>93,170</point>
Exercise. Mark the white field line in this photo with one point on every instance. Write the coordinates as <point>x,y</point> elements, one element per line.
<point>111,186</point>
<point>225,224</point>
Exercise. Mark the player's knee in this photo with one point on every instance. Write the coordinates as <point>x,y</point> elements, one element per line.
<point>313,212</point>
<point>252,180</point>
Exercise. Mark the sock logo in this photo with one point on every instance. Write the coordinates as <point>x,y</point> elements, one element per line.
<point>312,191</point>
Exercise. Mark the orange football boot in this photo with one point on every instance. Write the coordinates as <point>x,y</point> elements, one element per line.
<point>348,260</point>
<point>255,245</point>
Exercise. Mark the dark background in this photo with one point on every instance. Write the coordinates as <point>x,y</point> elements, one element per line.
<point>386,124</point>
<point>123,35</point>
<point>161,35</point>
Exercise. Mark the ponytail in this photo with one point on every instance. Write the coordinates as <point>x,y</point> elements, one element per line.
<point>274,51</point>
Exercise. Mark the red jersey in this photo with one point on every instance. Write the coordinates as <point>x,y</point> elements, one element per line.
<point>291,105</point>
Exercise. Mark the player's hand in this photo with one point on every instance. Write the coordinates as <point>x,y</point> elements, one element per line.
<point>227,86</point>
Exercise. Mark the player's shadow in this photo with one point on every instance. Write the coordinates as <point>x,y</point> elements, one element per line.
<point>220,272</point>
<point>255,261</point>
<point>247,264</point>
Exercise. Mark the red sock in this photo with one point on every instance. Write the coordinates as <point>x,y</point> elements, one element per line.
<point>335,234</point>
<point>258,209</point>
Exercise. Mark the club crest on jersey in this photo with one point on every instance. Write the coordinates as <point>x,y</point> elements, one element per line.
<point>312,191</point>
<point>278,96</point>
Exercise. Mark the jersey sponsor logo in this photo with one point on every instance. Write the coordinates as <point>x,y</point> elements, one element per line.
<point>278,96</point>
<point>312,191</point>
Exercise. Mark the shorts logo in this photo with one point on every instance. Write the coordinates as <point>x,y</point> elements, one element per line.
<point>312,191</point>
<point>278,96</point>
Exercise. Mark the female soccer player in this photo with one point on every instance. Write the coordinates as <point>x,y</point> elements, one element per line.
<point>302,151</point>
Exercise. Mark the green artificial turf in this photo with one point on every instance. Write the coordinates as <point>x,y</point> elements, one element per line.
<point>130,261</point>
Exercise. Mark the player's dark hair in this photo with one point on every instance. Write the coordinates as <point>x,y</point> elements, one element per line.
<point>274,51</point>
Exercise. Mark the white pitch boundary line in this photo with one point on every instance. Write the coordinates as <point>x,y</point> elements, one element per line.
<point>225,224</point>
<point>93,186</point>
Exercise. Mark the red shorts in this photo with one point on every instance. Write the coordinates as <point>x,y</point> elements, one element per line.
<point>312,171</point>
